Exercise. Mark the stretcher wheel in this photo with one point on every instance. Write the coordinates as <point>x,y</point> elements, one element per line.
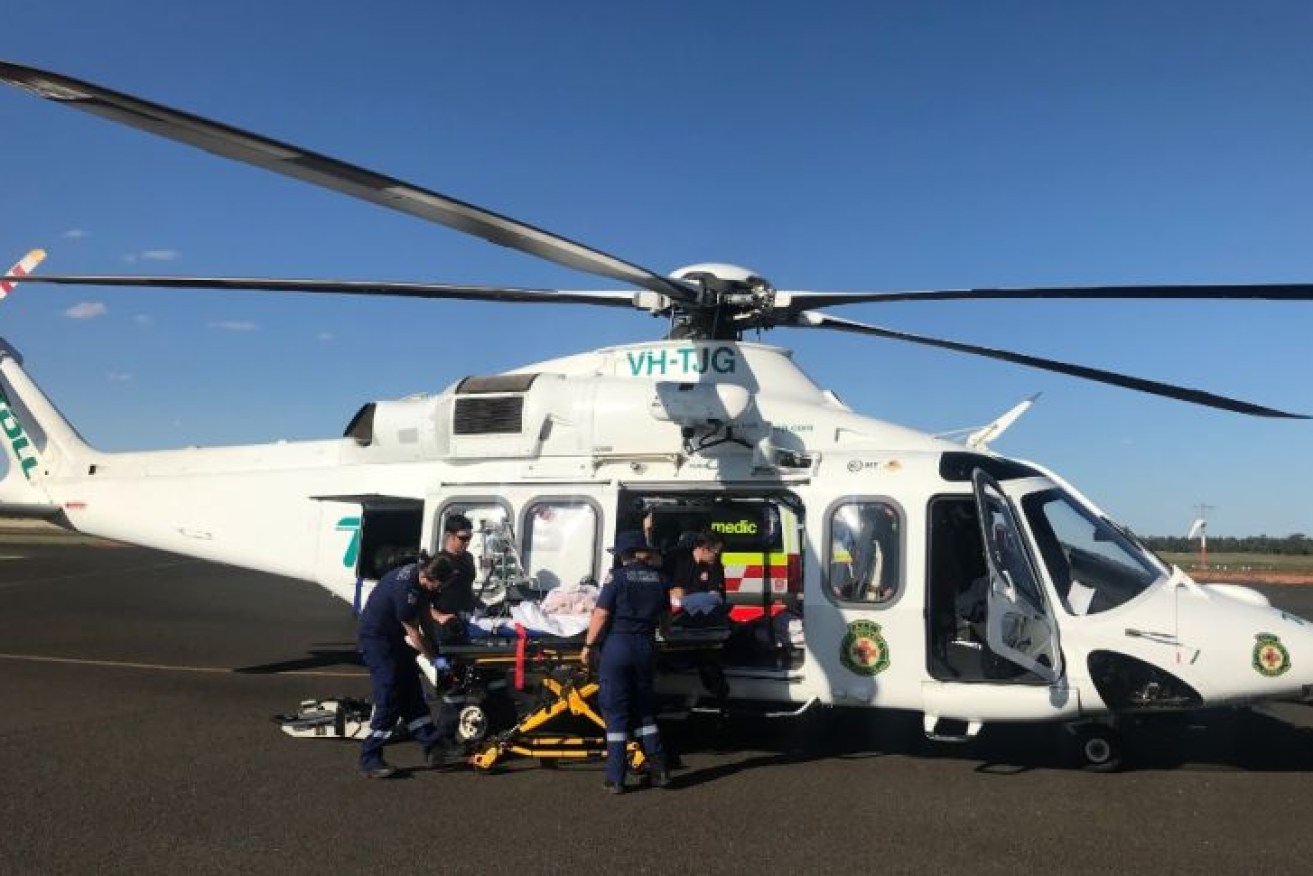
<point>471,724</point>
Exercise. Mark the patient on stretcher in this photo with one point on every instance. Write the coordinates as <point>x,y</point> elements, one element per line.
<point>563,612</point>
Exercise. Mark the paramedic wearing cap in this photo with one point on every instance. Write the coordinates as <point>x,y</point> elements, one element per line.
<point>390,618</point>
<point>632,604</point>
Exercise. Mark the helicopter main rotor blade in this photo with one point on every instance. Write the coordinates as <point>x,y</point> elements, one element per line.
<point>339,176</point>
<point>791,303</point>
<point>810,319</point>
<point>348,287</point>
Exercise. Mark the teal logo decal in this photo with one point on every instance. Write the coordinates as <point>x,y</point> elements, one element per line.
<point>18,443</point>
<point>680,361</point>
<point>351,525</point>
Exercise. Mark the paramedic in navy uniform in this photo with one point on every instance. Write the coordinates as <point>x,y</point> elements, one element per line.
<point>458,596</point>
<point>451,609</point>
<point>633,603</point>
<point>390,618</point>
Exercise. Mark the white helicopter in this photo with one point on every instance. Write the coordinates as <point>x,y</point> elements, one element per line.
<point>910,572</point>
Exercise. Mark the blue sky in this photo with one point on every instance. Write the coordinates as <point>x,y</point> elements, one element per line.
<point>835,146</point>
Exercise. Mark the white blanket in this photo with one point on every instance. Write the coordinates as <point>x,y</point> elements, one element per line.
<point>531,616</point>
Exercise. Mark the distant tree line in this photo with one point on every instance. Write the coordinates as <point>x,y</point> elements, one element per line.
<point>1292,545</point>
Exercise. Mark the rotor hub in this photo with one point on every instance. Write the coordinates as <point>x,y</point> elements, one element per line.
<point>719,272</point>
<point>731,299</point>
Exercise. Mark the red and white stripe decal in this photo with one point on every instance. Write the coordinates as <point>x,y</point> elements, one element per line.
<point>24,267</point>
<point>737,576</point>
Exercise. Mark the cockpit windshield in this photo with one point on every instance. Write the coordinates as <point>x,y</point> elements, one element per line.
<point>1093,565</point>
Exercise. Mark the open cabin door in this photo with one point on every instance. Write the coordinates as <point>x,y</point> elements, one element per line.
<point>1018,625</point>
<point>760,563</point>
<point>363,537</point>
<point>390,531</point>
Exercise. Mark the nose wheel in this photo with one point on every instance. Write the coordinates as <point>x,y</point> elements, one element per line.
<point>1099,748</point>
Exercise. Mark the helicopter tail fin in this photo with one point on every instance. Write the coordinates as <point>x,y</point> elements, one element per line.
<point>24,267</point>
<point>20,496</point>
<point>38,441</point>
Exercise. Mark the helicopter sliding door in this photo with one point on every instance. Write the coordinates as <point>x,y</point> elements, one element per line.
<point>1018,624</point>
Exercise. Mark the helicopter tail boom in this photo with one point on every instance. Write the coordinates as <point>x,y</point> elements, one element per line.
<point>39,442</point>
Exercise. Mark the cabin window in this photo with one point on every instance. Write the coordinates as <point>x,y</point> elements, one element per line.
<point>493,544</point>
<point>864,559</point>
<point>484,515</point>
<point>560,539</point>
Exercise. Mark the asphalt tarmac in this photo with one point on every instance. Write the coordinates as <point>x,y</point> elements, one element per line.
<point>135,737</point>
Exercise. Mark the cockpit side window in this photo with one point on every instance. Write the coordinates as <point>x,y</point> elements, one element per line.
<point>1093,566</point>
<point>865,552</point>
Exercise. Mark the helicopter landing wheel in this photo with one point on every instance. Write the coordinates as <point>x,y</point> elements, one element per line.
<point>1099,748</point>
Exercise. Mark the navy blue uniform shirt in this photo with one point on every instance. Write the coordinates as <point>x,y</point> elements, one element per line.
<point>636,596</point>
<point>397,598</point>
<point>686,572</point>
<point>457,595</point>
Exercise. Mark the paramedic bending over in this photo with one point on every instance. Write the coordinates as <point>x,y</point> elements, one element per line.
<point>390,618</point>
<point>633,602</point>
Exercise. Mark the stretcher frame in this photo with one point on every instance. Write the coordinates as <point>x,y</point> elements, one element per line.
<point>568,689</point>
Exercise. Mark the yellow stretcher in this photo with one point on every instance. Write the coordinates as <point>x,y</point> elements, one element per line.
<point>565,721</point>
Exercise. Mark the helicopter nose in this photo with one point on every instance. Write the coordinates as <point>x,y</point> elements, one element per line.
<point>1241,648</point>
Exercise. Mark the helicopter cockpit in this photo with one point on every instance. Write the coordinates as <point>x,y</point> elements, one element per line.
<point>1093,566</point>
<point>983,558</point>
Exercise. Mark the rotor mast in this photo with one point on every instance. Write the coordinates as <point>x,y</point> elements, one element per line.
<point>729,299</point>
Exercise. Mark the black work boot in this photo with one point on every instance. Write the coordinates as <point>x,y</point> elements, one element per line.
<point>440,756</point>
<point>378,771</point>
<point>657,774</point>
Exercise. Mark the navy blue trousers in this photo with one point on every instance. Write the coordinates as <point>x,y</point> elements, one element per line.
<point>395,687</point>
<point>626,674</point>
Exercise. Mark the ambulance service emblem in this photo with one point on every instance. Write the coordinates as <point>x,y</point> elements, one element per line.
<point>864,650</point>
<point>1270,656</point>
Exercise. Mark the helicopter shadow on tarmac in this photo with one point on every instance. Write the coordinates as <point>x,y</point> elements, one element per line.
<point>1248,739</point>
<point>321,656</point>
